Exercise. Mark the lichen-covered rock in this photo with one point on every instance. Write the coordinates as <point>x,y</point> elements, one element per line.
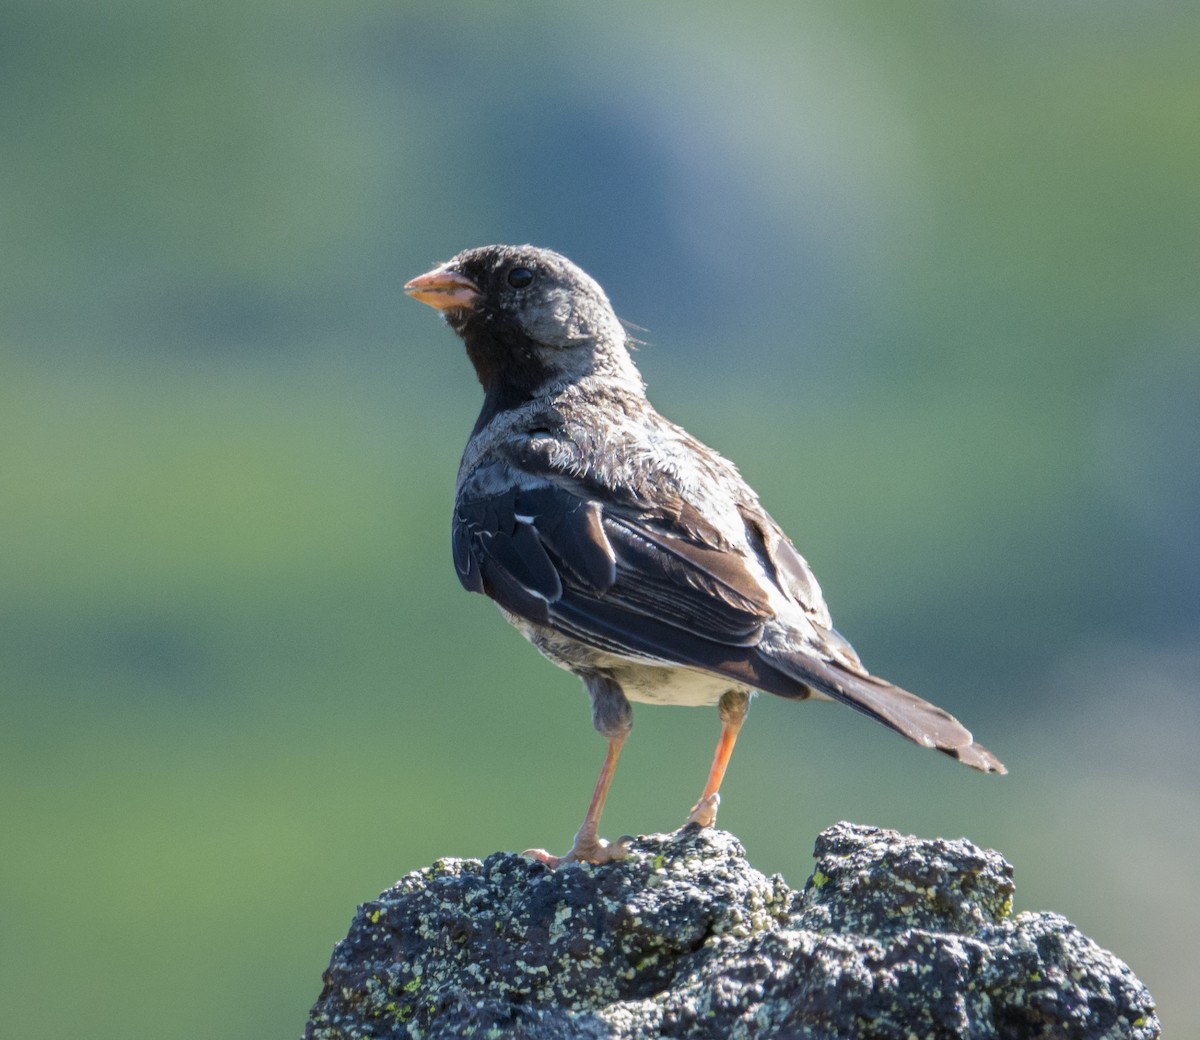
<point>892,937</point>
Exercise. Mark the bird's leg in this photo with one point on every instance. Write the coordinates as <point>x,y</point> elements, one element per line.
<point>589,847</point>
<point>613,718</point>
<point>733,707</point>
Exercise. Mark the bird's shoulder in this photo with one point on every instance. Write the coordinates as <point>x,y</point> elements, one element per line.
<point>611,447</point>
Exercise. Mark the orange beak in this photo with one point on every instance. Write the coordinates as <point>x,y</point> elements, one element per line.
<point>443,290</point>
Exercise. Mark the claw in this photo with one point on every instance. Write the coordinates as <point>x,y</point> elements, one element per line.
<point>595,850</point>
<point>704,812</point>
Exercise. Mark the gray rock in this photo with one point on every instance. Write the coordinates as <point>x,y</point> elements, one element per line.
<point>892,937</point>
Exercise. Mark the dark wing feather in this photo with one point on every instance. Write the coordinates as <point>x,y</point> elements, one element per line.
<point>573,529</point>
<point>466,560</point>
<point>691,586</point>
<point>620,579</point>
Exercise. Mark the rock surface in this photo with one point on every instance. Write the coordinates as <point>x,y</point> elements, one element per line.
<point>892,937</point>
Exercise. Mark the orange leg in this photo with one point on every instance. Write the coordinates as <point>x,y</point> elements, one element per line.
<point>612,717</point>
<point>589,847</point>
<point>733,714</point>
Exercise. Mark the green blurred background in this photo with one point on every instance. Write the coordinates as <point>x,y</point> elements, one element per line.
<point>930,273</point>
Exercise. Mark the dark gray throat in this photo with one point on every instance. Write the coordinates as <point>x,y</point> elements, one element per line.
<point>509,368</point>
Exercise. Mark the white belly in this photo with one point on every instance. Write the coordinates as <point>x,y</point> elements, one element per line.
<point>642,679</point>
<point>650,684</point>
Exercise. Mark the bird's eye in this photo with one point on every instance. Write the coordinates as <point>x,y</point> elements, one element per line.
<point>520,277</point>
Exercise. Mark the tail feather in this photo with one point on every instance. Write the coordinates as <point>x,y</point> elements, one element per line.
<point>906,713</point>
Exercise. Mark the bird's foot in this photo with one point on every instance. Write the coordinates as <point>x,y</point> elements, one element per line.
<point>585,850</point>
<point>704,812</point>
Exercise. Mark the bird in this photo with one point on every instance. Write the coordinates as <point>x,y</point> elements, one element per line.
<point>624,549</point>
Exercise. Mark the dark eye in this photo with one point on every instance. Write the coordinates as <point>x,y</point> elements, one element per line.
<point>520,277</point>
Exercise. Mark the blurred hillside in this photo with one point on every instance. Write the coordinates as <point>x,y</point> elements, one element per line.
<point>928,274</point>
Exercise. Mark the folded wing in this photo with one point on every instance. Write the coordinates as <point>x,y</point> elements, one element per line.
<point>661,584</point>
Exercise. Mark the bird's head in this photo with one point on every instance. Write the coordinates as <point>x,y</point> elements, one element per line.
<point>530,319</point>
